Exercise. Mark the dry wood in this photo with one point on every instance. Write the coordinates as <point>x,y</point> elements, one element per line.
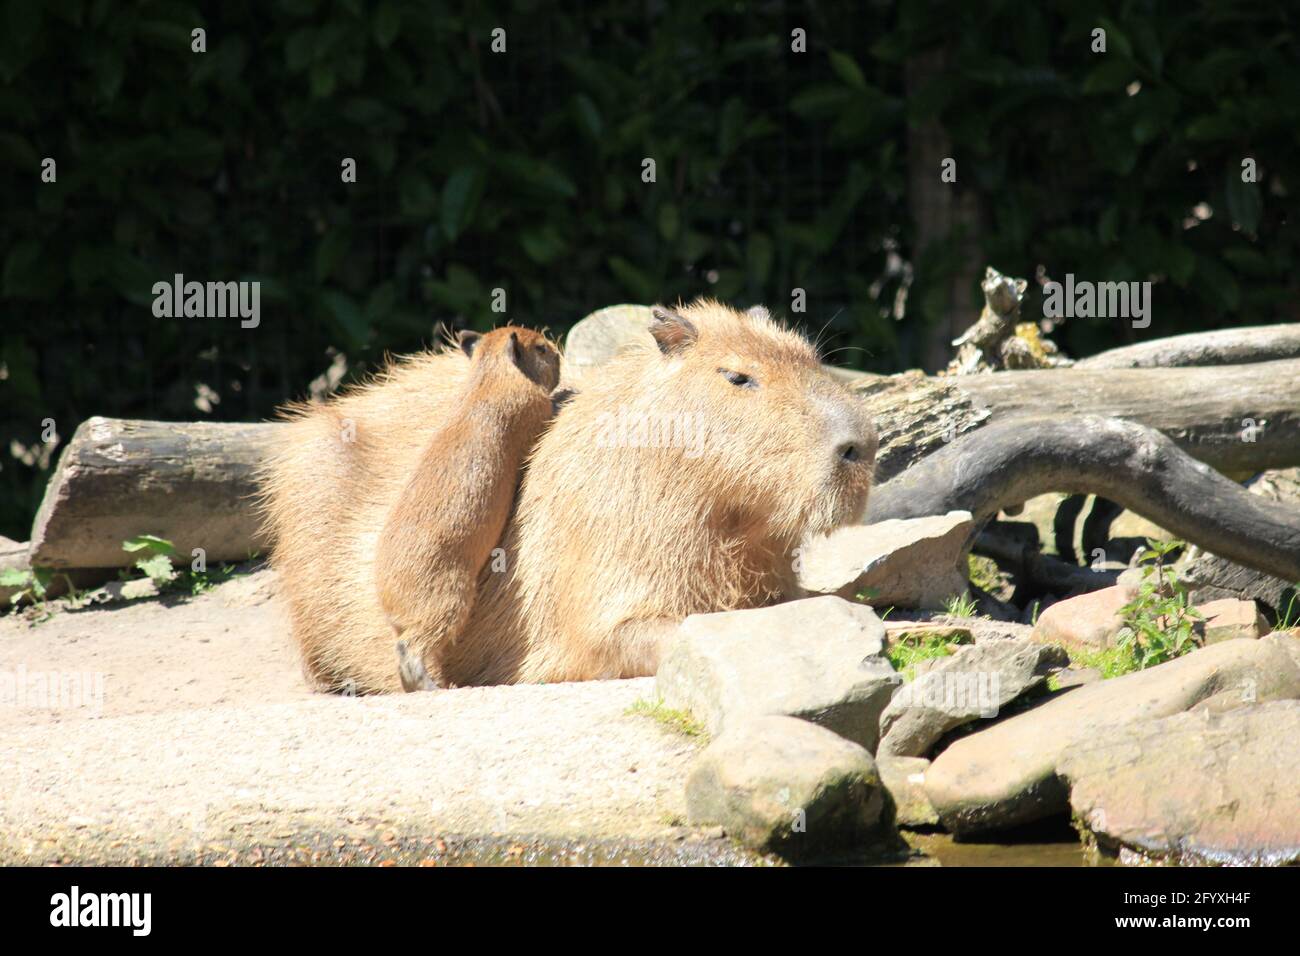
<point>1208,412</point>
<point>190,483</point>
<point>1257,343</point>
<point>1010,462</point>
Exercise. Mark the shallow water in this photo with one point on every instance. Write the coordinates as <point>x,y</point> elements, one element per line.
<point>940,849</point>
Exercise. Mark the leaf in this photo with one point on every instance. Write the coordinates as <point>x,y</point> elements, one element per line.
<point>1217,282</point>
<point>298,50</point>
<point>758,257</point>
<point>669,221</point>
<point>460,195</point>
<point>21,259</point>
<point>416,196</point>
<point>586,116</point>
<point>331,250</point>
<point>347,317</point>
<point>1116,40</point>
<point>385,153</point>
<point>15,577</point>
<point>848,70</point>
<point>158,568</point>
<point>19,152</point>
<point>322,79</point>
<point>1206,129</point>
<point>1250,261</point>
<point>1244,201</point>
<point>388,21</point>
<point>731,127</point>
<point>1108,225</point>
<point>381,302</point>
<point>109,73</point>
<point>821,102</point>
<point>639,285</point>
<point>542,244</point>
<point>1114,73</point>
<point>150,543</point>
<point>536,174</point>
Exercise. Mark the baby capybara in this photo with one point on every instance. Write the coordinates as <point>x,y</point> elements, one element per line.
<point>451,514</point>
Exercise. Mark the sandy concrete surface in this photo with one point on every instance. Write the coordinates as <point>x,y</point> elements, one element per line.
<point>207,746</point>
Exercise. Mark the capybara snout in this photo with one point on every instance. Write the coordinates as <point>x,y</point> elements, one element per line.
<point>848,447</point>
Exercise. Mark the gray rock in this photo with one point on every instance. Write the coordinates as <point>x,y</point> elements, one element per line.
<point>976,682</point>
<point>1006,774</point>
<point>1194,788</point>
<point>1289,641</point>
<point>903,562</point>
<point>787,786</point>
<point>1077,677</point>
<point>983,630</point>
<point>604,333</point>
<point>820,659</point>
<point>904,780</point>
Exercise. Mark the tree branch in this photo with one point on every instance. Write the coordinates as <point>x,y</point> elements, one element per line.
<point>1007,463</point>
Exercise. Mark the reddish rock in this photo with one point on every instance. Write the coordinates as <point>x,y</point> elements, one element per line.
<point>1089,620</point>
<point>1229,619</point>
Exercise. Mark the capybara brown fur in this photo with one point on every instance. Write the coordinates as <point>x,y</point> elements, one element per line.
<point>445,523</point>
<point>681,478</point>
<point>384,503</point>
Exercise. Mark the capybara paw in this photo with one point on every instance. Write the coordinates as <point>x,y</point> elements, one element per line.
<point>411,670</point>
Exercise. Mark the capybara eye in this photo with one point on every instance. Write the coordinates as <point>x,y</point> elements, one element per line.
<point>739,379</point>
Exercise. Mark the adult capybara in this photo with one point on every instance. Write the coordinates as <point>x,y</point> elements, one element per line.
<point>450,516</point>
<point>680,479</point>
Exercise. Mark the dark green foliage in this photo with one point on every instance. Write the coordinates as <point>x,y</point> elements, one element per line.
<point>522,171</point>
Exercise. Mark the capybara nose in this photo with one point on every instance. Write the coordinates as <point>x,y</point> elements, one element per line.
<point>849,451</point>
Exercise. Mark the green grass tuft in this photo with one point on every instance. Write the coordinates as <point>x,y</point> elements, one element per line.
<point>960,605</point>
<point>678,721</point>
<point>906,652</point>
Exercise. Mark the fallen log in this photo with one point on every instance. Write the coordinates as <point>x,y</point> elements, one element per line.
<point>1255,343</point>
<point>1239,419</point>
<point>190,483</point>
<point>1009,462</point>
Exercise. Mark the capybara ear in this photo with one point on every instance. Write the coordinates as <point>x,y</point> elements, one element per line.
<point>512,350</point>
<point>759,312</point>
<point>673,332</point>
<point>468,341</point>
<point>561,397</point>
